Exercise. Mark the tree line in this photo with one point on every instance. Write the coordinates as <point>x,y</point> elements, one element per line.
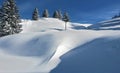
<point>116,16</point>
<point>57,14</point>
<point>10,18</point>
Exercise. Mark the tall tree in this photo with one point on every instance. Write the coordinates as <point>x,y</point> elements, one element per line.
<point>56,15</point>
<point>35,15</point>
<point>45,13</point>
<point>10,18</point>
<point>66,19</point>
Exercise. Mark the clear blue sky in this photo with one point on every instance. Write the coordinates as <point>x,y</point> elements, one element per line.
<point>84,11</point>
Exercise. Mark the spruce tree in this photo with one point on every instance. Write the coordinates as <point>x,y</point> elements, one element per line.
<point>1,30</point>
<point>66,19</point>
<point>45,13</point>
<point>10,18</point>
<point>56,15</point>
<point>35,15</point>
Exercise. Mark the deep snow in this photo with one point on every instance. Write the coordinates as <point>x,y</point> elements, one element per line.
<point>40,45</point>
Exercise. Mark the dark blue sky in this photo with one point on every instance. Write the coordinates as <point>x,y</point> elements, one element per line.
<point>84,11</point>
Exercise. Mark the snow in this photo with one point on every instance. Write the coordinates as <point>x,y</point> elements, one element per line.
<point>44,24</point>
<point>101,55</point>
<point>113,24</point>
<point>41,44</point>
<point>78,26</point>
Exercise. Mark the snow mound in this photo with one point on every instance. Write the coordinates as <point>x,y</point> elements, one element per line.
<point>113,24</point>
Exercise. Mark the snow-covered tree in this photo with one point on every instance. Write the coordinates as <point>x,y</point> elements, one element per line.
<point>60,15</point>
<point>35,15</point>
<point>66,19</point>
<point>10,18</point>
<point>1,30</point>
<point>45,13</point>
<point>56,15</point>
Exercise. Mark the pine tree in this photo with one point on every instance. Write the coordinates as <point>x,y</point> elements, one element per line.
<point>1,30</point>
<point>56,15</point>
<point>35,15</point>
<point>45,13</point>
<point>66,19</point>
<point>10,18</point>
<point>60,15</point>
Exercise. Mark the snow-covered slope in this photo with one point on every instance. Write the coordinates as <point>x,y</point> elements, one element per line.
<point>113,24</point>
<point>44,24</point>
<point>101,55</point>
<point>78,26</point>
<point>50,24</point>
<point>38,48</point>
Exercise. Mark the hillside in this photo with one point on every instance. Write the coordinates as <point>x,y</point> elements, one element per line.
<point>113,24</point>
<point>44,45</point>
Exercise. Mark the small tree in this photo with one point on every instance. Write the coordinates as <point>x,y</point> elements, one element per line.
<point>10,18</point>
<point>35,15</point>
<point>66,19</point>
<point>45,13</point>
<point>56,15</point>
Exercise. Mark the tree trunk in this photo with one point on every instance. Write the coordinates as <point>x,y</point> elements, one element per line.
<point>65,26</point>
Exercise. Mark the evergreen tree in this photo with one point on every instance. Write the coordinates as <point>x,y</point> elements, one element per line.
<point>66,19</point>
<point>10,18</point>
<point>45,13</point>
<point>35,15</point>
<point>1,30</point>
<point>116,16</point>
<point>56,15</point>
<point>60,14</point>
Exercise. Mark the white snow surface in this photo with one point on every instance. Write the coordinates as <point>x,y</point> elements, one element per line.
<point>112,24</point>
<point>38,48</point>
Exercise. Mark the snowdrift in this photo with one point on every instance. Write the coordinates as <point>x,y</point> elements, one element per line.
<point>101,55</point>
